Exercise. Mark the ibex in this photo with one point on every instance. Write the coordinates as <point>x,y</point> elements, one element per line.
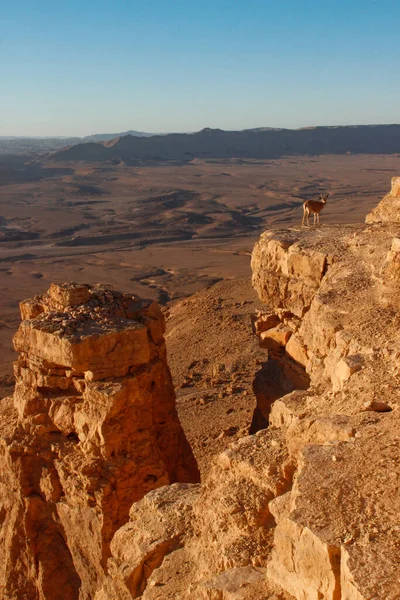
<point>314,207</point>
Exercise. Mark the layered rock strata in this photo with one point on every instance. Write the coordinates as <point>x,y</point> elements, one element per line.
<point>91,428</point>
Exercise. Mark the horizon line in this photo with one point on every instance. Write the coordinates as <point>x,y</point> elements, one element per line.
<point>153,134</point>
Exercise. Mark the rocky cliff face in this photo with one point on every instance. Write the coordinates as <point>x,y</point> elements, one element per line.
<point>335,291</point>
<point>388,210</point>
<point>306,508</point>
<point>91,428</point>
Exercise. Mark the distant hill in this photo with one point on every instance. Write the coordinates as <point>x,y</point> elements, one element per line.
<point>40,145</point>
<point>262,143</point>
<point>102,137</point>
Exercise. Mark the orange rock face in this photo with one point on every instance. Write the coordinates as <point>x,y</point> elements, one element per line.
<point>91,428</point>
<point>388,209</point>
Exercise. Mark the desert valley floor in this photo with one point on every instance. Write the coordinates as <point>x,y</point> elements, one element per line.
<point>167,232</point>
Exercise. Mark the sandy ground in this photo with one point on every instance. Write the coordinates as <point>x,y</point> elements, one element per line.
<point>163,231</point>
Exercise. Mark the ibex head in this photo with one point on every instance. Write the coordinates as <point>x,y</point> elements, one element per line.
<point>324,197</point>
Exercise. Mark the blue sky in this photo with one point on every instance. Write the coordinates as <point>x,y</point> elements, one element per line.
<point>79,67</point>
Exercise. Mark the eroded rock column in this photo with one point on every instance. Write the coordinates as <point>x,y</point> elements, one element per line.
<point>92,428</point>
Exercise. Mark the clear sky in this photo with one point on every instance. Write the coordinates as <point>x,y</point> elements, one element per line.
<point>76,67</point>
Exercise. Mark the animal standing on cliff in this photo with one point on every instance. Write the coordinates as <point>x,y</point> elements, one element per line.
<point>314,207</point>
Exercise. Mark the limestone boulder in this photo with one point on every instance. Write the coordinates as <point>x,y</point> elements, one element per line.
<point>275,337</point>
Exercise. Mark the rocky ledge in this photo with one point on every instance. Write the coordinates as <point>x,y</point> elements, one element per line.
<point>91,428</point>
<point>333,309</point>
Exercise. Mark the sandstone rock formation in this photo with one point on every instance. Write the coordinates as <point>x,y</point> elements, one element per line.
<point>388,210</point>
<point>91,428</point>
<point>336,290</point>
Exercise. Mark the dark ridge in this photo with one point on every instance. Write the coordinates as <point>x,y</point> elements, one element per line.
<point>249,144</point>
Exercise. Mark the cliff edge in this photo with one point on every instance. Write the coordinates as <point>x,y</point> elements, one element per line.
<point>334,292</point>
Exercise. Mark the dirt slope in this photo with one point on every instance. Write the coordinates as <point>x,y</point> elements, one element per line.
<point>213,356</point>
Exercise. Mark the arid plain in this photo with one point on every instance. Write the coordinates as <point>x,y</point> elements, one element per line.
<point>162,231</point>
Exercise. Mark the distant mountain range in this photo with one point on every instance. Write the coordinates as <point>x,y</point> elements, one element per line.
<point>32,145</point>
<point>135,147</point>
<point>260,143</point>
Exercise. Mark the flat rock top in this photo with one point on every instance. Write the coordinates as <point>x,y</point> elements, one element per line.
<point>75,311</point>
<point>334,241</point>
<point>321,238</point>
<point>86,320</point>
